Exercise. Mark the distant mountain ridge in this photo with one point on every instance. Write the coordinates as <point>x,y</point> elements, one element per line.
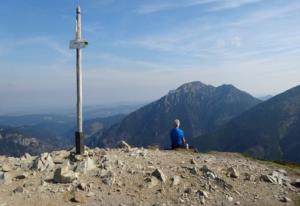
<point>201,108</point>
<point>34,119</point>
<point>15,144</point>
<point>270,130</point>
<point>39,134</point>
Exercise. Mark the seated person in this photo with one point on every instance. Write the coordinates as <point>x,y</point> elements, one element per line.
<point>177,136</point>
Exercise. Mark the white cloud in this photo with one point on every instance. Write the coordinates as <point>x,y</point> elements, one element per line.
<point>236,40</point>
<point>214,5</point>
<point>114,62</point>
<point>273,12</point>
<point>93,28</point>
<point>231,4</point>
<point>159,6</point>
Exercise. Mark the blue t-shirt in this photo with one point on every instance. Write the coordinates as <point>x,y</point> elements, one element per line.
<point>177,136</point>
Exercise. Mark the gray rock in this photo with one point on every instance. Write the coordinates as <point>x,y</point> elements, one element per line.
<point>159,175</point>
<point>85,165</point>
<point>193,162</point>
<point>194,170</point>
<point>124,145</point>
<point>285,199</point>
<point>120,163</point>
<point>276,178</point>
<point>282,171</point>
<point>232,172</point>
<point>211,175</point>
<point>5,178</point>
<point>59,157</point>
<point>6,167</point>
<point>26,165</point>
<point>188,190</point>
<point>280,177</point>
<point>268,178</point>
<point>108,178</point>
<point>82,186</point>
<point>104,162</point>
<point>208,173</point>
<point>78,158</point>
<point>26,157</point>
<point>205,169</point>
<point>202,200</point>
<point>43,163</point>
<point>249,177</point>
<point>143,153</point>
<point>223,184</point>
<point>78,197</point>
<point>64,174</point>
<point>176,180</point>
<point>229,198</point>
<point>1,176</point>
<point>202,193</point>
<point>18,190</point>
<point>90,194</point>
<point>151,182</point>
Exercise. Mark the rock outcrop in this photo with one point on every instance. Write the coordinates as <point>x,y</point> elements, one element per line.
<point>128,175</point>
<point>43,162</point>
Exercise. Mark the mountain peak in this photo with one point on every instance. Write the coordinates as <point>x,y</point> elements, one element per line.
<point>202,109</point>
<point>229,86</point>
<point>192,85</point>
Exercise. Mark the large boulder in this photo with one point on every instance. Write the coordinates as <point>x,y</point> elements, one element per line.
<point>64,174</point>
<point>43,163</point>
<point>276,177</point>
<point>85,165</point>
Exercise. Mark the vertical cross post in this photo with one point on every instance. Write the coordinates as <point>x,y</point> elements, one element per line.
<point>78,44</point>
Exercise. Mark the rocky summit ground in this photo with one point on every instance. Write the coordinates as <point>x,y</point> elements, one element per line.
<point>135,176</point>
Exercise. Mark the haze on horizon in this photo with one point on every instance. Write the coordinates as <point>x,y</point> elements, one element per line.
<point>140,49</point>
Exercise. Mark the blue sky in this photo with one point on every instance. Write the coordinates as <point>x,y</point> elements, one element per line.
<point>140,49</point>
